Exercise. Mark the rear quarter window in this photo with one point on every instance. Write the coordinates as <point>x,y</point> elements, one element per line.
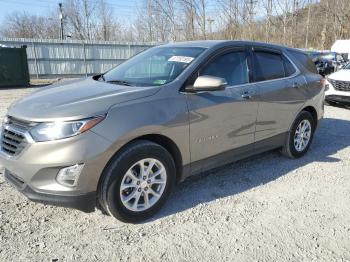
<point>305,60</point>
<point>267,66</point>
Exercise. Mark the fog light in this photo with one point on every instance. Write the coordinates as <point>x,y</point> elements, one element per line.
<point>68,176</point>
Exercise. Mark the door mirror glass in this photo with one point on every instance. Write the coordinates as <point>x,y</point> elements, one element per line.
<point>209,83</point>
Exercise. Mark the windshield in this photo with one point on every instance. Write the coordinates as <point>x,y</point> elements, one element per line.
<point>155,66</point>
<point>347,66</point>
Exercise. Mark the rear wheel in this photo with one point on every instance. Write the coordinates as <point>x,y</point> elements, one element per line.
<point>300,136</point>
<point>137,182</point>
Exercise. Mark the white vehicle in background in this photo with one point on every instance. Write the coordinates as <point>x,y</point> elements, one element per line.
<point>342,47</point>
<point>338,86</point>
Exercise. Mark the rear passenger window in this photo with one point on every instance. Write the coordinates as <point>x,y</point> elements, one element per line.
<point>267,66</point>
<point>288,67</point>
<point>233,67</point>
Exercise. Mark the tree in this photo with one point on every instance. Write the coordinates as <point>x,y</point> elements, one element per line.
<point>298,23</point>
<point>188,18</point>
<point>24,25</point>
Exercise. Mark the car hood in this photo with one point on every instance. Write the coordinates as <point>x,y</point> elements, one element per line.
<point>73,100</point>
<point>342,75</point>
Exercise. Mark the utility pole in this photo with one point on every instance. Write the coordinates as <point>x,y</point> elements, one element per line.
<point>61,21</point>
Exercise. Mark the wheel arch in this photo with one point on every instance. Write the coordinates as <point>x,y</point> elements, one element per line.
<point>159,139</point>
<point>313,112</point>
<point>170,146</point>
<point>308,108</point>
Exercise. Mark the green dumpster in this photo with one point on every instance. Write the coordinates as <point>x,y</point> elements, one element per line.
<point>13,67</point>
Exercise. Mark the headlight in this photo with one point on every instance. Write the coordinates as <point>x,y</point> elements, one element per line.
<point>5,120</point>
<point>59,130</point>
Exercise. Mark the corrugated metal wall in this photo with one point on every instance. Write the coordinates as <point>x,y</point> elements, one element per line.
<point>52,58</point>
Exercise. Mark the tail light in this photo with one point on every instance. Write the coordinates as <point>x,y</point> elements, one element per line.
<point>324,83</point>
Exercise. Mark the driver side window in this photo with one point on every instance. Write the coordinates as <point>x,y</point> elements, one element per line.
<point>233,67</point>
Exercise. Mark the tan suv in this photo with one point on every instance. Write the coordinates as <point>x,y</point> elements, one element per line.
<point>121,140</point>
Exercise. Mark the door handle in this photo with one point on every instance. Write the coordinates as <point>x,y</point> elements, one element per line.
<point>295,85</point>
<point>246,95</point>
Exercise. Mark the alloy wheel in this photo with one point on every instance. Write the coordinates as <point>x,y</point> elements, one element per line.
<point>143,184</point>
<point>302,135</point>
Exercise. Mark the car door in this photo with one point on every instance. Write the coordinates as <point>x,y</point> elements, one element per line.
<point>222,120</point>
<point>280,92</point>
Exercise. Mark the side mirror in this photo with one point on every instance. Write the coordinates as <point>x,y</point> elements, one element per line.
<point>209,83</point>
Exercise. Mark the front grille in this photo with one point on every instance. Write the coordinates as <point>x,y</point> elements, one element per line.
<point>13,139</point>
<point>340,85</point>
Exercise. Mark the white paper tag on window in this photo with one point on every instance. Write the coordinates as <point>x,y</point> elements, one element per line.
<point>181,59</point>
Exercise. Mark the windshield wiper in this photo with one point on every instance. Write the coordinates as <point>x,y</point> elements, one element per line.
<point>120,82</point>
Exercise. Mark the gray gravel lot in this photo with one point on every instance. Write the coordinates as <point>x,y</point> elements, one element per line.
<point>265,208</point>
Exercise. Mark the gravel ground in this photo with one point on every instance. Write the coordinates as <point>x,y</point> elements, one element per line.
<point>265,208</point>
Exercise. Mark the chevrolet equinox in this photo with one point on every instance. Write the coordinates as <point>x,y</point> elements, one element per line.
<point>120,141</point>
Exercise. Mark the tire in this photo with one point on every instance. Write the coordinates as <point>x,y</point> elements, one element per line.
<point>290,148</point>
<point>149,193</point>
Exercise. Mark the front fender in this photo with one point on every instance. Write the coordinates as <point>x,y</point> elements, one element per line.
<point>166,116</point>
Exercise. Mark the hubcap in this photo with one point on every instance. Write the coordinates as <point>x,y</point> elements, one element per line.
<point>143,184</point>
<point>302,135</point>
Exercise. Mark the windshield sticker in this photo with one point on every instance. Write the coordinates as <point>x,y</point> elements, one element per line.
<point>181,59</point>
<point>159,82</point>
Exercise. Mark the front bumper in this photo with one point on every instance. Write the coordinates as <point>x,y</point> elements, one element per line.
<point>33,172</point>
<point>338,98</point>
<point>84,202</point>
<point>334,95</point>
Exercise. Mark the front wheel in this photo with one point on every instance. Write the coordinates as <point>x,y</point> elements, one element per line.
<point>137,182</point>
<point>300,136</point>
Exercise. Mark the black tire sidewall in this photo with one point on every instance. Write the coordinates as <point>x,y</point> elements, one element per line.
<point>116,171</point>
<point>304,115</point>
